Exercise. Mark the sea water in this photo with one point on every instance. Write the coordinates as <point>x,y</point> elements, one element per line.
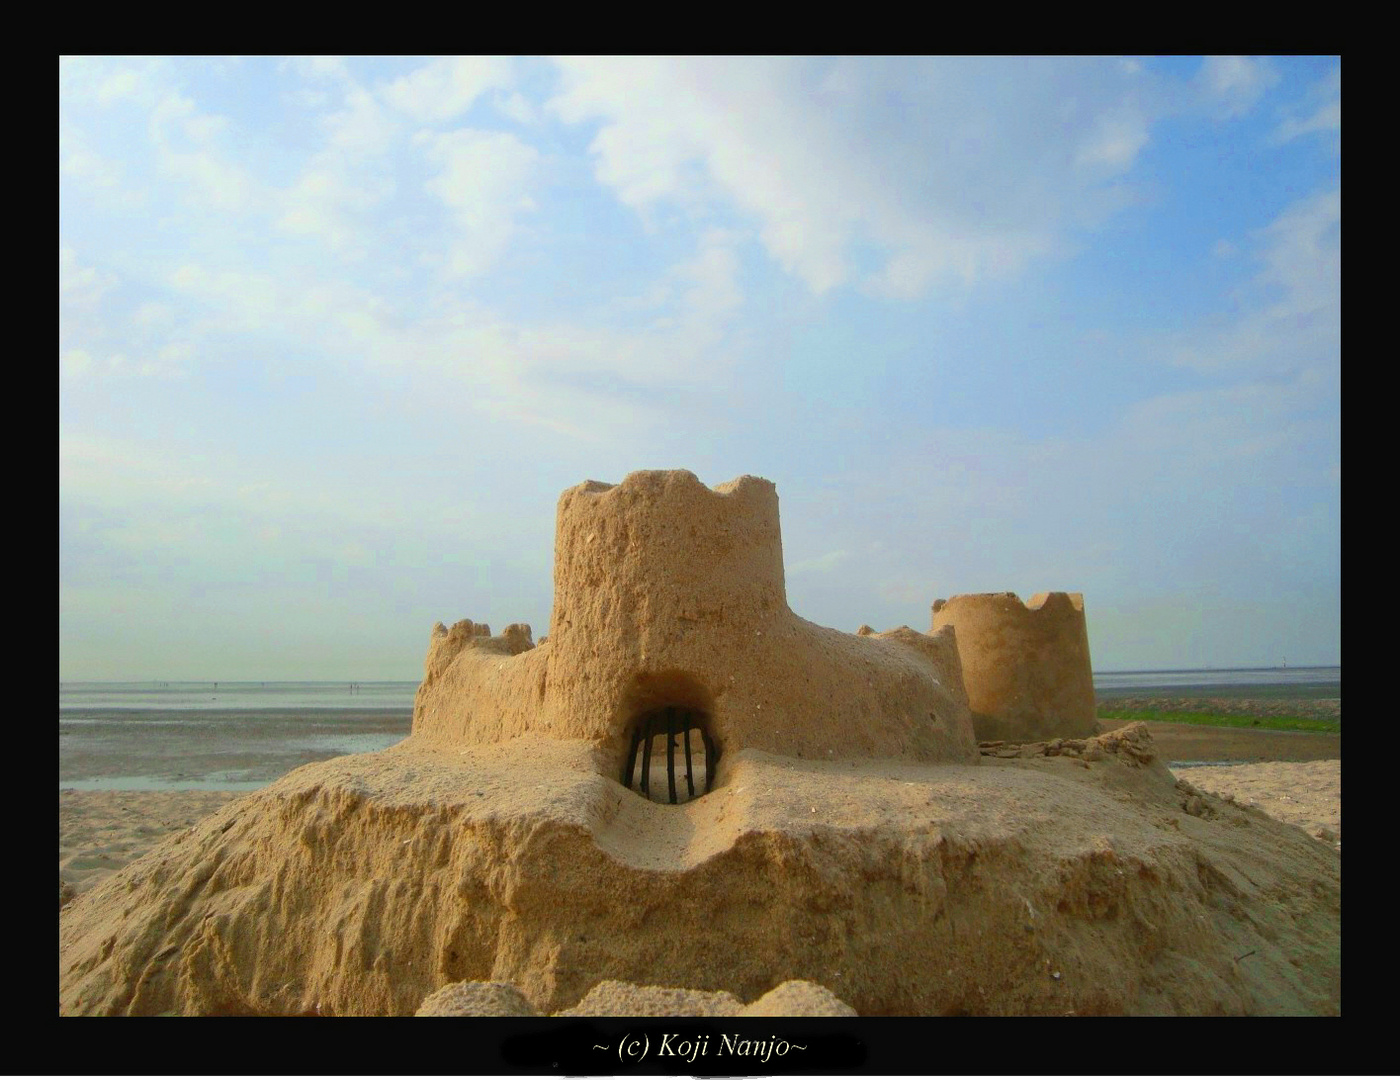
<point>219,736</point>
<point>1274,682</point>
<point>75,697</point>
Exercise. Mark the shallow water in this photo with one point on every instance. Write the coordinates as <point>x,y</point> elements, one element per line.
<point>155,697</point>
<point>1305,682</point>
<point>241,742</point>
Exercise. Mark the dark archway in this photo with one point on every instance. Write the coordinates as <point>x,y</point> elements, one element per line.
<point>667,730</point>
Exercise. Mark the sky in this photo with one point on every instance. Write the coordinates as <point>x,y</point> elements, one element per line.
<point>336,332</point>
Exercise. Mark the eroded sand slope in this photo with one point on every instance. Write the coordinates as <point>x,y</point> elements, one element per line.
<point>1038,885</point>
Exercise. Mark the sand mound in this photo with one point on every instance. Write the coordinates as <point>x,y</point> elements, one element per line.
<point>1041,884</point>
<point>615,998</point>
<point>798,997</point>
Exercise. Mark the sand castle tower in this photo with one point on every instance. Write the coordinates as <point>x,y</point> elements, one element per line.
<point>671,628</point>
<point>1025,666</point>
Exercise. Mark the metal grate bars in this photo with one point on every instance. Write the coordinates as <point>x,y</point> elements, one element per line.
<point>672,722</point>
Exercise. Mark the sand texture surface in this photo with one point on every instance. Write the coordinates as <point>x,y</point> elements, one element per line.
<point>1043,884</point>
<point>611,997</point>
<point>1307,794</point>
<point>102,831</point>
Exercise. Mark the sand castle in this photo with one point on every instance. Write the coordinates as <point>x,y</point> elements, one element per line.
<point>670,595</point>
<point>686,785</point>
<point>1025,666</point>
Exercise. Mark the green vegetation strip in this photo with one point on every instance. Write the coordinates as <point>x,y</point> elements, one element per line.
<point>1270,723</point>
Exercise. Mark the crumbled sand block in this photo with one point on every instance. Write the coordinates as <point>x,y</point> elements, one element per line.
<point>613,997</point>
<point>798,997</point>
<point>476,999</point>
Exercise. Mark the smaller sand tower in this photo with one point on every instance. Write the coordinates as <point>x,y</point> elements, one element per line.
<point>1025,666</point>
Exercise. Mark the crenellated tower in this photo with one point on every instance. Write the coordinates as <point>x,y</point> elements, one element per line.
<point>1025,666</point>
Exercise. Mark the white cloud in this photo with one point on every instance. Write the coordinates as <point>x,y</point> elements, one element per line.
<point>346,320</point>
<point>80,286</point>
<point>327,204</point>
<point>1304,256</point>
<point>710,287</point>
<point>581,380</point>
<point>1293,320</point>
<point>1325,117</point>
<point>483,181</point>
<point>363,127</point>
<point>446,88</point>
<point>121,84</point>
<point>1230,86</point>
<point>79,162</point>
<point>1116,139</point>
<point>106,82</point>
<point>154,314</point>
<point>319,68</point>
<point>81,332</point>
<point>516,108</point>
<point>243,300</point>
<point>74,363</point>
<point>184,139</point>
<point>349,176</point>
<point>956,169</point>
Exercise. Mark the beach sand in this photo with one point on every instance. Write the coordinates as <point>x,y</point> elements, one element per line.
<point>101,831</point>
<point>1303,793</point>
